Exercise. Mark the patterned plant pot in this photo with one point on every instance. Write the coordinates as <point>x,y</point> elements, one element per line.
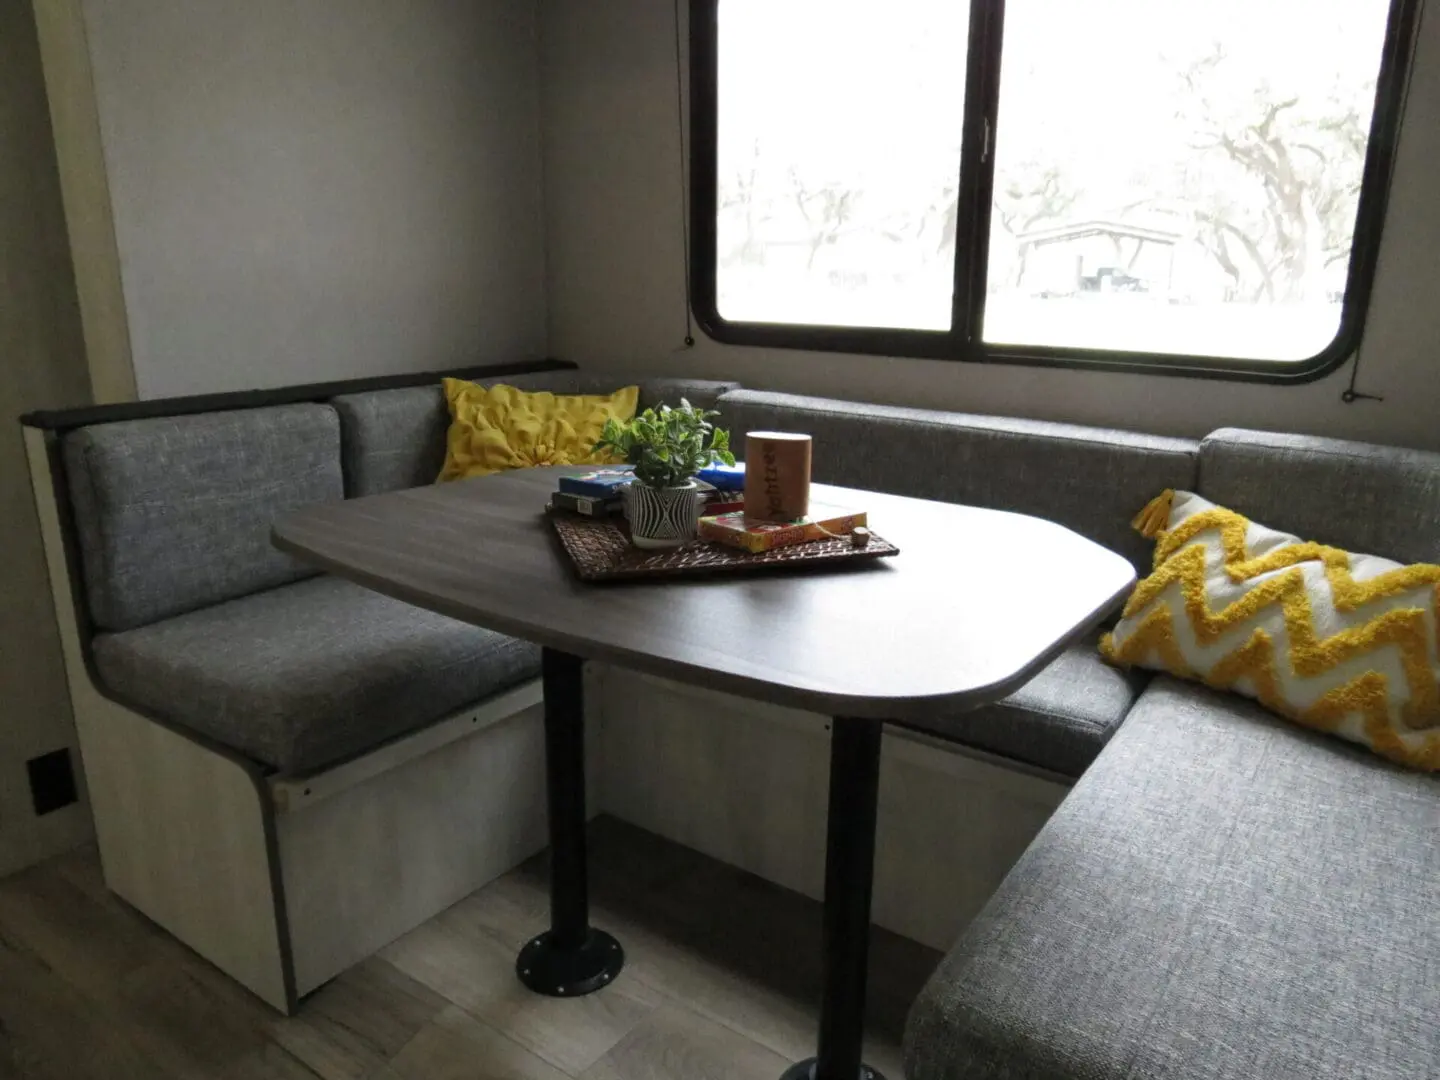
<point>661,517</point>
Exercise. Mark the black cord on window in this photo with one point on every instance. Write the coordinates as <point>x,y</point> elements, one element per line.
<point>1350,395</point>
<point>684,186</point>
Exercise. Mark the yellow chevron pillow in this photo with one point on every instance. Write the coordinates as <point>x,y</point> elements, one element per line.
<point>1340,642</point>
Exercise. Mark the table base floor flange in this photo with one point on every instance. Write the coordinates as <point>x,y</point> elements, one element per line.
<point>805,1070</point>
<point>555,971</point>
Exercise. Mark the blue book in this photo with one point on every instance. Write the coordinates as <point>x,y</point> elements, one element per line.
<point>724,477</point>
<point>599,483</point>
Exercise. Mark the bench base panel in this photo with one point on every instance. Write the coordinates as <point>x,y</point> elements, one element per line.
<point>371,863</point>
<point>745,782</point>
<point>284,894</point>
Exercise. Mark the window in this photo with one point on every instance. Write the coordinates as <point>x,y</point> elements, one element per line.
<point>1193,186</point>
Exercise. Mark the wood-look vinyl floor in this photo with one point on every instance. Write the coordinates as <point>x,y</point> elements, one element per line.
<point>721,981</point>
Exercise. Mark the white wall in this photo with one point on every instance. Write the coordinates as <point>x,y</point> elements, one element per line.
<point>321,190</point>
<point>616,285</point>
<point>42,360</point>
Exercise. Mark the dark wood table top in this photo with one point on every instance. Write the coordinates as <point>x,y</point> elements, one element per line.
<point>973,606</point>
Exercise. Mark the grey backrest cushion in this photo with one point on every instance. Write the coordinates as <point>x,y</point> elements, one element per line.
<point>1375,500</point>
<point>173,514</point>
<point>702,393</point>
<point>392,439</point>
<point>1092,480</point>
<point>395,439</point>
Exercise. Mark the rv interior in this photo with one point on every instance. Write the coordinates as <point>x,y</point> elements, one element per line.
<point>719,540</point>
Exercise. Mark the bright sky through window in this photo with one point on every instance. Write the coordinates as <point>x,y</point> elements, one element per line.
<point>1169,177</point>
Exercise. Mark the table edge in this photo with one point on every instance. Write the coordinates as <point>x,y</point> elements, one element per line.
<point>861,706</point>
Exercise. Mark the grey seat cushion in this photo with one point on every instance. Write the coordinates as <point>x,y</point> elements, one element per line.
<point>174,513</point>
<point>1222,896</point>
<point>306,675</point>
<point>1089,479</point>
<point>1377,500</point>
<point>1060,720</point>
<point>395,439</point>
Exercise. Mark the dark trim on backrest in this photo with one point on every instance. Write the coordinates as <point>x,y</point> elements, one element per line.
<point>62,420</point>
<point>74,568</point>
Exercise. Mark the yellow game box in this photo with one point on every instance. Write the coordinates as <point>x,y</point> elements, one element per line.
<point>823,522</point>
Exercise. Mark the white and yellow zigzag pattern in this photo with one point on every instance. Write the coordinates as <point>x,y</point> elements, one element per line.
<point>1340,642</point>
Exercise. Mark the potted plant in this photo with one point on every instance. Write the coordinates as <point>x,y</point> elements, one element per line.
<point>667,447</point>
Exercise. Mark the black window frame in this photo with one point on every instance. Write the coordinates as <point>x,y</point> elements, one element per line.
<point>963,342</point>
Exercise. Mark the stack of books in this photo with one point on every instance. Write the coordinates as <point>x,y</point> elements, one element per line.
<point>722,487</point>
<point>594,494</point>
<point>599,493</point>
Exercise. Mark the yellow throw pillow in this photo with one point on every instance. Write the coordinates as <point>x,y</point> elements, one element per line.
<point>496,428</point>
<point>1340,642</point>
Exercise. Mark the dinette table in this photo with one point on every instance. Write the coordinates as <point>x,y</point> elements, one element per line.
<point>974,605</point>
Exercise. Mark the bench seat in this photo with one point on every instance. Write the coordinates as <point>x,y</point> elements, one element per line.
<point>1223,895</point>
<point>1059,721</point>
<point>303,676</point>
<point>1088,479</point>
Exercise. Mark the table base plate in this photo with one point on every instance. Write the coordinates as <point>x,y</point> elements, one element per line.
<point>557,972</point>
<point>805,1070</point>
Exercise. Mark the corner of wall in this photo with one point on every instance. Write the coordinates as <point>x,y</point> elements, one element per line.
<point>85,190</point>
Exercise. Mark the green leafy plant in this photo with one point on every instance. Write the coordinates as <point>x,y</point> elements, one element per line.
<point>668,446</point>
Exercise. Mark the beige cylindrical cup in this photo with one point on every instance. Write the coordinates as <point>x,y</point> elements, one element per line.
<point>777,476</point>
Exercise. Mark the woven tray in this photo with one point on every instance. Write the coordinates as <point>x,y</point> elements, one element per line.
<point>601,551</point>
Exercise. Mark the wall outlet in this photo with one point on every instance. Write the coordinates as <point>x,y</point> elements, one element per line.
<point>52,781</point>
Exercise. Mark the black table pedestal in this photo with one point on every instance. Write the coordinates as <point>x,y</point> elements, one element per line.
<point>572,957</point>
<point>849,876</point>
